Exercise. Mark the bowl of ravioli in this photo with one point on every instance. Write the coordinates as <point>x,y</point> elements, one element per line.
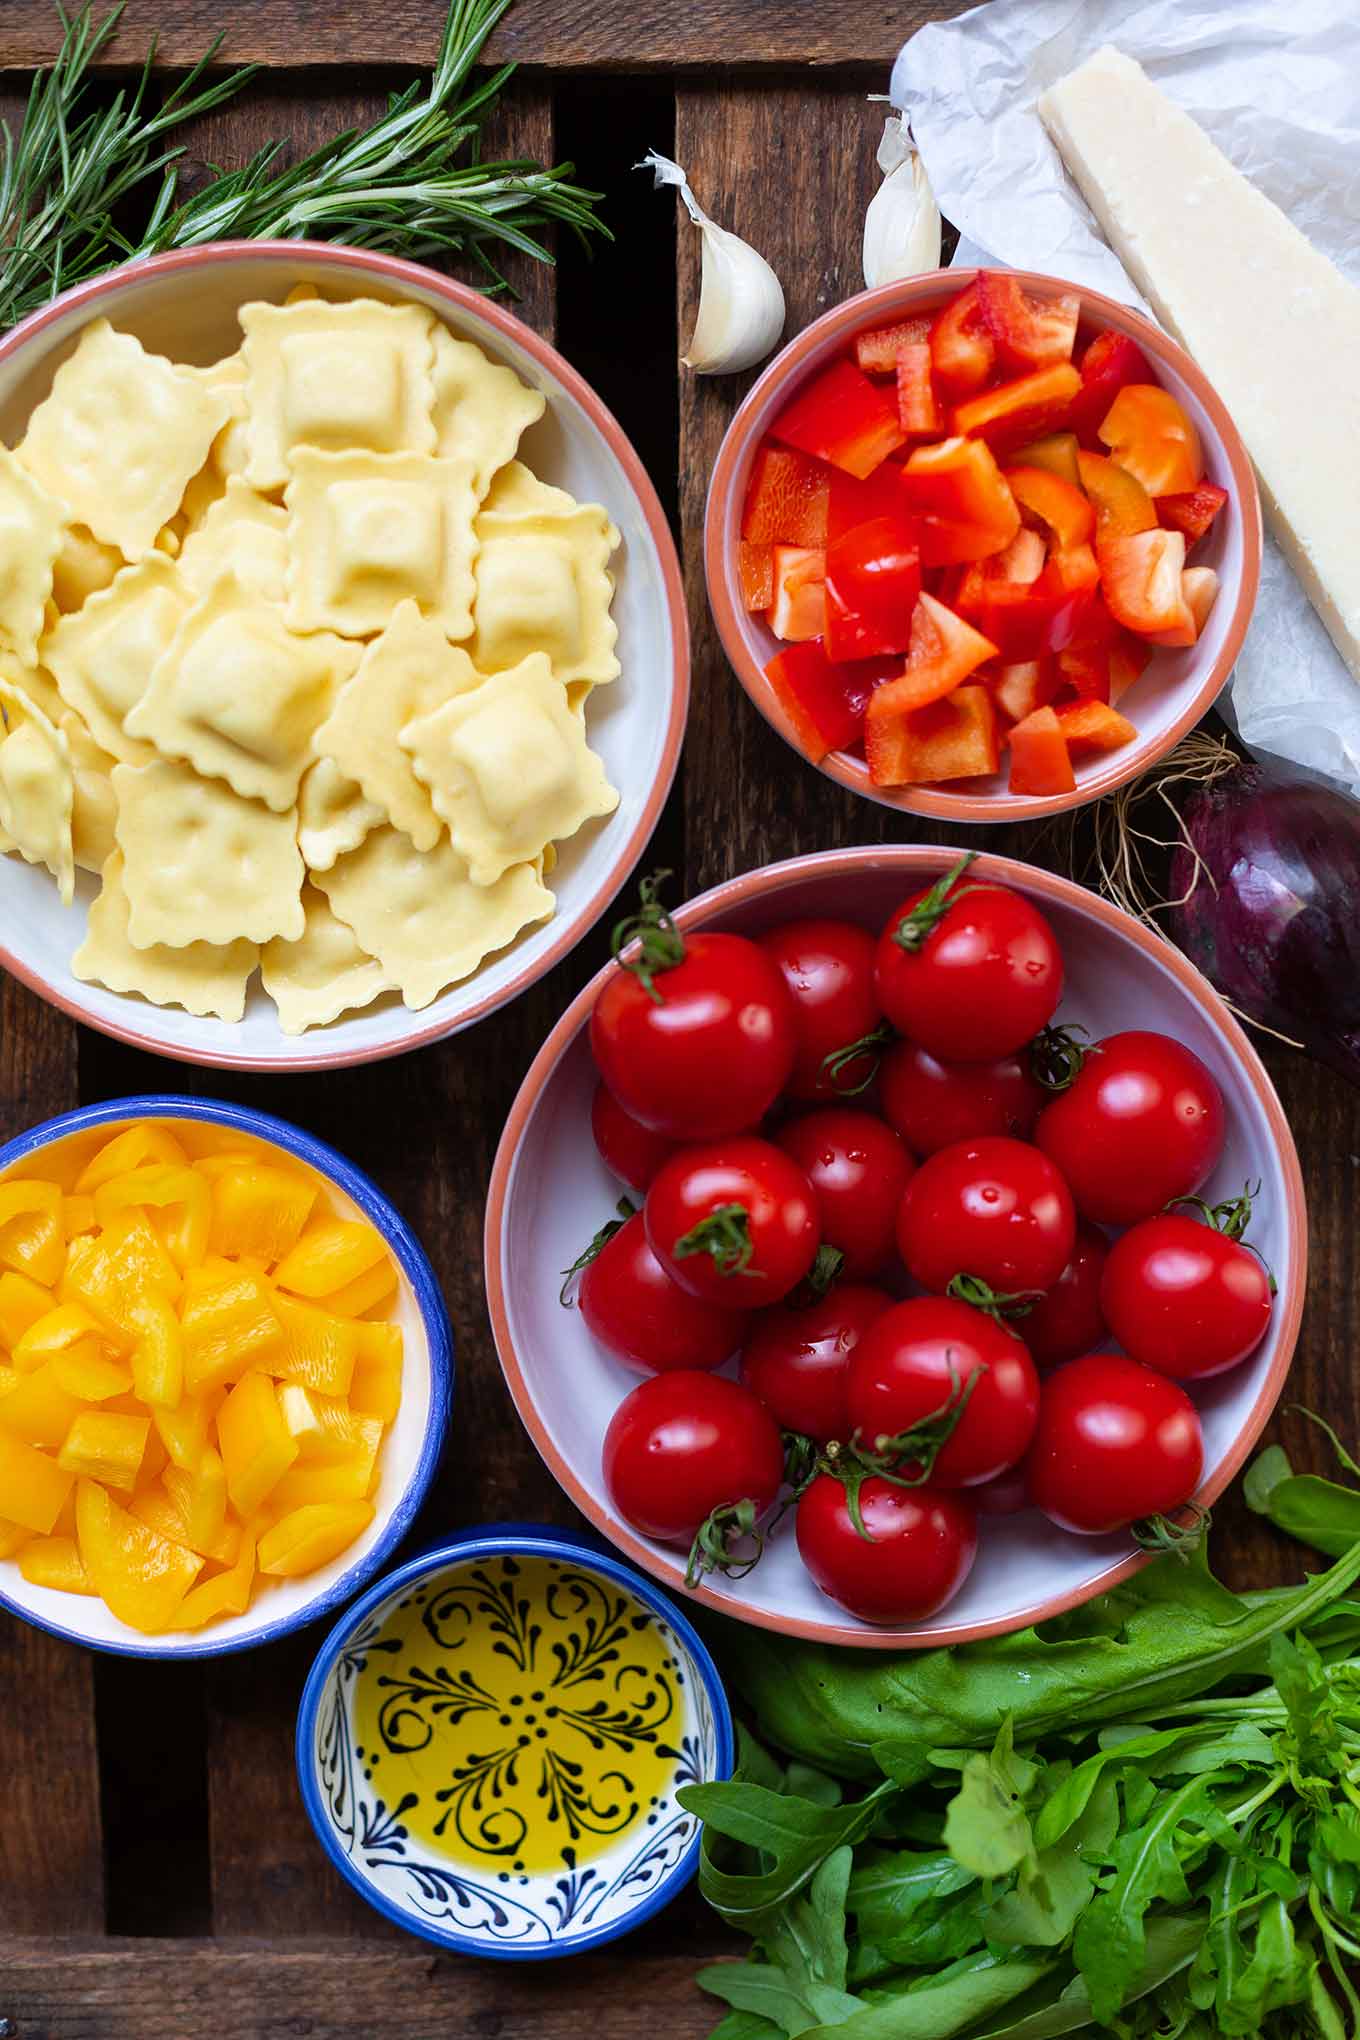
<point>343,655</point>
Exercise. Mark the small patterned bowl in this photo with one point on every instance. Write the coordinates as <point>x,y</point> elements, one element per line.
<point>498,1910</point>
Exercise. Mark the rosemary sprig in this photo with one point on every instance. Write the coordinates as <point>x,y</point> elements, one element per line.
<point>412,183</point>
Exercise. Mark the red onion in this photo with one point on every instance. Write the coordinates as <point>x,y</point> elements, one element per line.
<point>1273,916</point>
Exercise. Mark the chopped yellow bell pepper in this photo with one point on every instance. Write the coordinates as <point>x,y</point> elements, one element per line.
<point>56,1331</point>
<point>257,1447</point>
<point>77,1216</point>
<point>226,1593</point>
<point>111,1272</point>
<point>340,1433</point>
<point>54,1562</point>
<point>162,1512</point>
<point>39,1408</point>
<point>143,1576</point>
<point>13,1537</point>
<point>182,1198</point>
<point>34,1486</point>
<point>259,1211</point>
<point>375,1390</point>
<point>378,1285</point>
<point>105,1445</point>
<point>330,1254</point>
<point>229,1324</point>
<point>86,1372</point>
<point>341,1480</point>
<point>318,1350</point>
<point>201,1496</point>
<point>312,1536</point>
<point>158,1356</point>
<point>183,1431</point>
<point>146,1140</point>
<point>32,1238</point>
<point>22,1302</point>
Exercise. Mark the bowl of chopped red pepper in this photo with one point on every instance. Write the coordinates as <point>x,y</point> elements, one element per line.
<point>981,545</point>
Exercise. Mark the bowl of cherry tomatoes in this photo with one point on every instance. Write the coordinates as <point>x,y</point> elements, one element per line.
<point>982,546</point>
<point>893,1246</point>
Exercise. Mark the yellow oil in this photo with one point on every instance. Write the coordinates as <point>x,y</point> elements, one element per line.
<point>520,1714</point>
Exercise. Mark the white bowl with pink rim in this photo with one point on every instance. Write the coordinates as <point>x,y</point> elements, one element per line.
<point>550,1191</point>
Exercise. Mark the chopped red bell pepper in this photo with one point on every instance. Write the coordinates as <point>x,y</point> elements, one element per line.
<point>1062,506</point>
<point>824,702</point>
<point>1094,726</point>
<point>873,577</point>
<point>1021,620</point>
<point>918,407</point>
<point>1057,453</point>
<point>1192,511</point>
<point>1023,686</point>
<point>944,650</point>
<point>799,607</point>
<point>1023,559</point>
<point>1123,505</point>
<point>851,502</point>
<point>841,417</point>
<point>1084,670</point>
<point>1129,657</point>
<point>951,739</point>
<point>1040,764</point>
<point>1029,332</point>
<point>1019,410</point>
<point>877,350</point>
<point>786,499</point>
<point>755,567</point>
<point>1110,361</point>
<point>956,489</point>
<point>1074,568</point>
<point>1141,577</point>
<point>1199,586</point>
<point>962,351</point>
<point>1152,437</point>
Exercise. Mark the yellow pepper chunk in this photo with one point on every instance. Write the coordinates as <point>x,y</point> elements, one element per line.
<point>143,1576</point>
<point>77,1215</point>
<point>226,1593</point>
<point>182,1198</point>
<point>257,1447</point>
<point>34,1486</point>
<point>158,1356</point>
<point>163,1512</point>
<point>330,1254</point>
<point>105,1445</point>
<point>335,1431</point>
<point>146,1140</point>
<point>32,1237</point>
<point>56,1331</point>
<point>375,1389</point>
<point>183,1431</point>
<point>229,1324</point>
<point>22,1302</point>
<point>312,1536</point>
<point>339,1480</point>
<point>86,1372</point>
<point>13,1537</point>
<point>39,1408</point>
<point>54,1562</point>
<point>378,1285</point>
<point>318,1350</point>
<point>201,1497</point>
<point>258,1211</point>
<point>111,1272</point>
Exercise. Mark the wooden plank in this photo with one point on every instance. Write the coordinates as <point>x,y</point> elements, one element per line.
<point>606,35</point>
<point>188,1990</point>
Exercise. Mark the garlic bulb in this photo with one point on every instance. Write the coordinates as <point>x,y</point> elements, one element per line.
<point>902,225</point>
<point>741,302</point>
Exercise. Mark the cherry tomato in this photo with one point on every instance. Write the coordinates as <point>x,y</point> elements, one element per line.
<point>994,1208</point>
<point>1141,1124</point>
<point>1184,1298</point>
<point>694,1035</point>
<point>828,967</point>
<point>968,969</point>
<point>919,1550</point>
<point>626,1146</point>
<point>684,1444</point>
<point>797,1358</point>
<point>932,1104</point>
<point>735,1222</point>
<point>631,1305</point>
<point>859,1169</point>
<point>1067,1321</point>
<point>1114,1442</point>
<point>917,1360</point>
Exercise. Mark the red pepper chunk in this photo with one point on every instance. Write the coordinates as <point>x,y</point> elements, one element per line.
<point>877,350</point>
<point>1023,686</point>
<point>960,496</point>
<point>1029,332</point>
<point>1141,576</point>
<point>1019,410</point>
<point>1152,438</point>
<point>1111,360</point>
<point>755,569</point>
<point>1094,726</point>
<point>1123,505</point>
<point>786,499</point>
<point>951,739</point>
<point>945,649</point>
<point>962,351</point>
<point>841,417</point>
<point>1192,511</point>
<point>1064,508</point>
<point>918,408</point>
<point>823,701</point>
<point>798,610</point>
<point>873,577</point>
<point>1040,764</point>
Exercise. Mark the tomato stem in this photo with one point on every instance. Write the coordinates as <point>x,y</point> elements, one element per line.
<point>725,1235</point>
<point>1164,1534</point>
<point>819,1278</point>
<point>720,1530</point>
<point>626,1210</point>
<point>914,927</point>
<point>918,1447</point>
<point>1000,1304</point>
<point>1231,1218</point>
<point>1056,1056</point>
<point>660,944</point>
<point>867,1047</point>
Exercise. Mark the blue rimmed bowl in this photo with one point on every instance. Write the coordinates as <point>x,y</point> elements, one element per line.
<point>410,1450</point>
<point>477,1901</point>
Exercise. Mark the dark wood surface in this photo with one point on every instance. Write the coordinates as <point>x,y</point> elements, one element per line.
<point>158,1879</point>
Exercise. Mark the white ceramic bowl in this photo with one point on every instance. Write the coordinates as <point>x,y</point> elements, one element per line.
<point>550,1191</point>
<point>410,1449</point>
<point>184,304</point>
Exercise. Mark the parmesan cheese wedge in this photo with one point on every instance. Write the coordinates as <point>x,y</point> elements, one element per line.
<point>1274,326</point>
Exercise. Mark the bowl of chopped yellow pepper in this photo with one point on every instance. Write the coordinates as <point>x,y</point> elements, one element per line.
<point>225,1376</point>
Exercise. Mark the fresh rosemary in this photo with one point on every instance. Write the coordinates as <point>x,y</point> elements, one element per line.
<point>412,183</point>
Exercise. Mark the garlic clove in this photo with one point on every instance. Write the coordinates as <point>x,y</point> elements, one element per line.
<point>902,225</point>
<point>741,300</point>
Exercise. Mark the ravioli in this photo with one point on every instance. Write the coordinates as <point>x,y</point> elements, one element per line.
<point>481,409</point>
<point>325,973</point>
<point>333,815</point>
<point>369,530</point>
<point>244,532</point>
<point>543,584</point>
<point>202,864</point>
<point>204,978</point>
<point>335,376</point>
<point>37,790</point>
<point>103,656</point>
<point>32,528</point>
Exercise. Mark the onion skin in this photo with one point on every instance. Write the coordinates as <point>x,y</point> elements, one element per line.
<point>1278,930</point>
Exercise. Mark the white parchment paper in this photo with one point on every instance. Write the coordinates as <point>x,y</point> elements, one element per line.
<point>1276,83</point>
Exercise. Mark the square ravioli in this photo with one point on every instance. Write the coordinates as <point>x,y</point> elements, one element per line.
<point>333,815</point>
<point>543,585</point>
<point>369,530</point>
<point>201,864</point>
<point>481,408</point>
<point>422,917</point>
<point>239,695</point>
<point>411,669</point>
<point>119,437</point>
<point>204,978</point>
<point>32,530</point>
<point>103,656</point>
<point>508,768</point>
<point>324,974</point>
<point>335,376</point>
<point>37,789</point>
<point>242,531</point>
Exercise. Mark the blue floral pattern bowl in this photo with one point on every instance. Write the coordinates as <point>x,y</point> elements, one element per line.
<point>454,1637</point>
